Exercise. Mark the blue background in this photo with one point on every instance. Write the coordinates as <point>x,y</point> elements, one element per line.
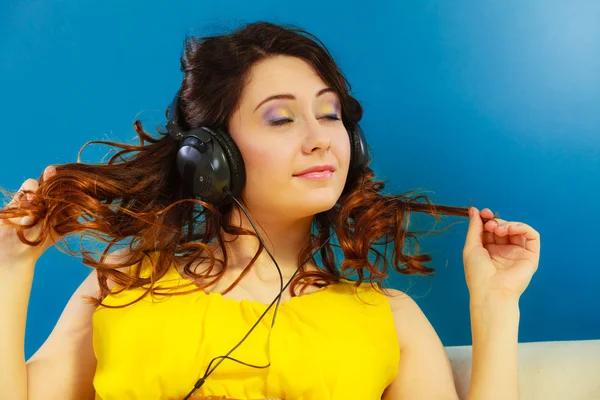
<point>495,104</point>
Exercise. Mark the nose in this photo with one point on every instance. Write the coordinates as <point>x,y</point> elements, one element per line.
<point>317,139</point>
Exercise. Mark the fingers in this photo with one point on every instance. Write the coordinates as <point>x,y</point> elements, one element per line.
<point>499,231</point>
<point>474,231</point>
<point>26,194</point>
<point>22,197</point>
<point>519,234</point>
<point>49,172</point>
<point>486,213</point>
<point>489,226</point>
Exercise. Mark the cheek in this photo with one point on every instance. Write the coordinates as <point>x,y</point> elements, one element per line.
<point>343,150</point>
<point>262,161</point>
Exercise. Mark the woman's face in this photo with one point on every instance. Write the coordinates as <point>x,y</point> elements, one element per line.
<point>281,137</point>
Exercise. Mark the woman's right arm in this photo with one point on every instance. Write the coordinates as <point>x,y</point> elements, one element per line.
<point>64,366</point>
<point>15,286</point>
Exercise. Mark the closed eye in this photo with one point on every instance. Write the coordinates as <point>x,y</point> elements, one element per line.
<point>283,121</point>
<point>279,122</point>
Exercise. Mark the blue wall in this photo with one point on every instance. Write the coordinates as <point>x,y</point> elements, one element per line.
<point>494,104</point>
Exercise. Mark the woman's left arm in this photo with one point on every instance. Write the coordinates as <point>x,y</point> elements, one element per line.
<point>500,259</point>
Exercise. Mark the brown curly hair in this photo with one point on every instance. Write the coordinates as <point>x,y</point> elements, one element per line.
<point>136,201</point>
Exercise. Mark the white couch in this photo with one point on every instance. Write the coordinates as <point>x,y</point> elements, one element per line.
<point>567,370</point>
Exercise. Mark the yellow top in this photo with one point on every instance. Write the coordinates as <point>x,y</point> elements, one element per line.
<point>329,344</point>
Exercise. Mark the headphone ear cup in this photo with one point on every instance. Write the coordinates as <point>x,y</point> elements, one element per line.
<point>359,152</point>
<point>208,161</point>
<point>235,161</point>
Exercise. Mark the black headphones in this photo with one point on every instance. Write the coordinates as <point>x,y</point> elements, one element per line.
<point>209,161</point>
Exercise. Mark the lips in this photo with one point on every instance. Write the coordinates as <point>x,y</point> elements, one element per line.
<point>317,168</point>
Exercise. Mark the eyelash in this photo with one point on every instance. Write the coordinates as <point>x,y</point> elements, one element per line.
<point>284,121</point>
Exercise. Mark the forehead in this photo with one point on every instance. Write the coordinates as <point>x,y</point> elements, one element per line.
<point>282,74</point>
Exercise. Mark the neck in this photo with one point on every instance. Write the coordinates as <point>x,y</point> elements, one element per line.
<point>283,238</point>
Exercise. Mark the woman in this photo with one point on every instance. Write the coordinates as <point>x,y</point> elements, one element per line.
<point>192,307</point>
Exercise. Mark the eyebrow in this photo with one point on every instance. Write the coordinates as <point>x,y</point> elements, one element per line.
<point>291,96</point>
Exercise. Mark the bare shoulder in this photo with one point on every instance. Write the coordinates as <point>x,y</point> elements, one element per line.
<point>409,319</point>
<point>421,350</point>
<point>400,301</point>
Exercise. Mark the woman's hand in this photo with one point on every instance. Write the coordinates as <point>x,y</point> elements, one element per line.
<point>499,257</point>
<point>12,250</point>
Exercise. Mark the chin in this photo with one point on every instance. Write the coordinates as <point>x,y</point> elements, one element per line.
<point>317,201</point>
